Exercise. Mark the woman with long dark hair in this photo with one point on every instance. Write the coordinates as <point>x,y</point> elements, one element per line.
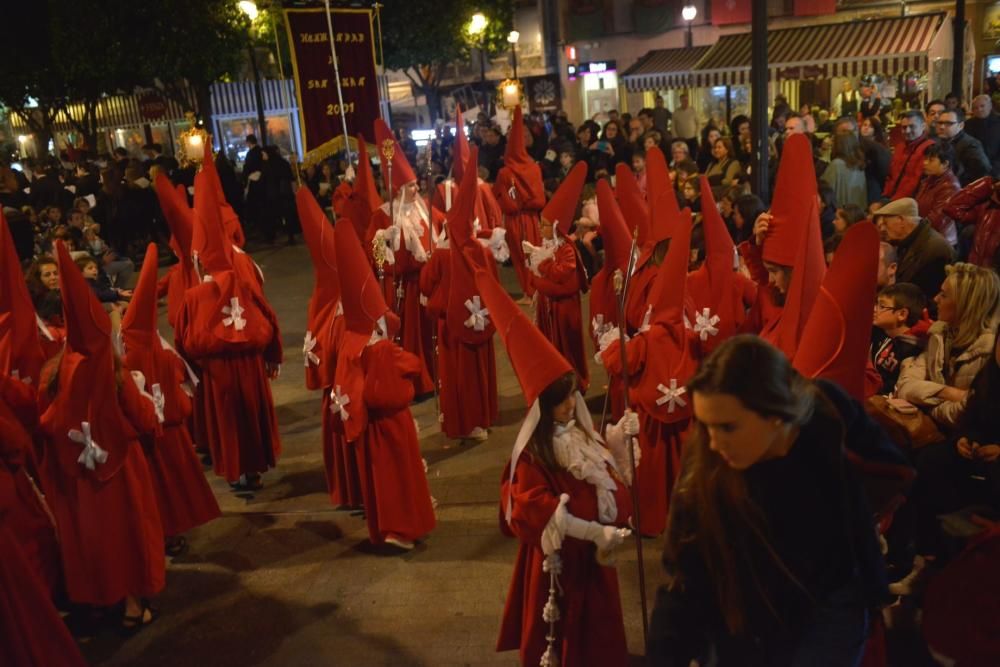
<point>846,172</point>
<point>771,552</point>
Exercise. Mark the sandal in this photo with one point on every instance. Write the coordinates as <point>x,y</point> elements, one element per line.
<point>175,546</point>
<point>133,624</point>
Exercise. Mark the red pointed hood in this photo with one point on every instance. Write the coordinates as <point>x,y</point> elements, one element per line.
<point>88,327</point>
<point>561,209</point>
<point>807,276</point>
<point>836,338</point>
<point>465,257</point>
<point>795,194</point>
<point>364,197</point>
<point>141,314</point>
<point>667,294</point>
<point>632,203</point>
<point>20,347</point>
<point>359,289</point>
<point>318,233</point>
<point>614,231</point>
<point>537,363</point>
<point>515,153</point>
<point>663,209</point>
<point>230,221</point>
<point>179,217</point>
<point>215,252</point>
<point>402,171</point>
<point>461,153</point>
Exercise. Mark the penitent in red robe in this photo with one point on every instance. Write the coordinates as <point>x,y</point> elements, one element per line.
<point>488,210</point>
<point>397,498</point>
<point>417,326</point>
<point>591,629</point>
<point>239,425</point>
<point>468,371</point>
<point>521,218</point>
<point>108,522</point>
<point>559,314</point>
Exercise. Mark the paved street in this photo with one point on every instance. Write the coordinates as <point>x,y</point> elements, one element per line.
<point>282,578</point>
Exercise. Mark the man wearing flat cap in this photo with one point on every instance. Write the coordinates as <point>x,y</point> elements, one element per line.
<point>922,253</point>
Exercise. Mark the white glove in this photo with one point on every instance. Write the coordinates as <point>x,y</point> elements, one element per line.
<point>629,423</point>
<point>606,339</point>
<point>605,537</point>
<point>529,249</point>
<point>498,245</point>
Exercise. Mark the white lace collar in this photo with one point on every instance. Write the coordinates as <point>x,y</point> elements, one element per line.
<point>588,461</point>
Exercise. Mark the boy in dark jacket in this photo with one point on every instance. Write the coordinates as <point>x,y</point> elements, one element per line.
<point>899,327</point>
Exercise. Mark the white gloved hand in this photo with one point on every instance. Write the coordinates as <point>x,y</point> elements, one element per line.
<point>608,337</point>
<point>605,537</point>
<point>629,423</point>
<point>529,249</point>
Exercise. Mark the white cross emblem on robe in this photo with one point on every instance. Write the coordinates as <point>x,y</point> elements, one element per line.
<point>704,324</point>
<point>92,454</point>
<point>308,345</point>
<point>159,402</point>
<point>599,326</point>
<point>235,312</point>
<point>477,320</point>
<point>671,395</point>
<point>339,403</point>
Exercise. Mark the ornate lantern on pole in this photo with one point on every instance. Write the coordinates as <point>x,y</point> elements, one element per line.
<point>193,143</point>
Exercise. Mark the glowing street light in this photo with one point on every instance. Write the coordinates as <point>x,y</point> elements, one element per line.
<point>249,8</point>
<point>512,39</point>
<point>477,26</point>
<point>477,29</point>
<point>688,13</point>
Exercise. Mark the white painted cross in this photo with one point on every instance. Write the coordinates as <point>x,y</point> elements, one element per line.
<point>477,320</point>
<point>704,324</point>
<point>235,312</point>
<point>92,454</point>
<point>671,395</point>
<point>308,357</point>
<point>339,403</point>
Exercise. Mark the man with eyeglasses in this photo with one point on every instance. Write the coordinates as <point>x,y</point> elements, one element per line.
<point>971,162</point>
<point>908,157</point>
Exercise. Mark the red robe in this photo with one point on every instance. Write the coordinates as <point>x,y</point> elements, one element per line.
<point>236,417</point>
<point>640,286</point>
<point>591,628</point>
<point>417,327</point>
<point>559,314</point>
<point>182,493</point>
<point>521,210</point>
<point>108,522</point>
<point>660,442</point>
<point>604,315</point>
<point>31,630</point>
<point>468,372</point>
<point>396,495</point>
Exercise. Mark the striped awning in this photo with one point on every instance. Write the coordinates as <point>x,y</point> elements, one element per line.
<point>238,98</point>
<point>889,46</point>
<point>663,68</point>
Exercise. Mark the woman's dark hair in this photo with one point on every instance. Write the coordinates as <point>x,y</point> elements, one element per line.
<point>749,207</point>
<point>878,130</point>
<point>851,213</point>
<point>704,135</point>
<point>33,276</point>
<point>942,150</point>
<point>604,132</point>
<point>734,124</point>
<point>847,148</point>
<point>711,509</point>
<point>540,445</point>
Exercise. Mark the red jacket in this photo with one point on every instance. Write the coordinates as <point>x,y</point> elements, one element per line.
<point>906,168</point>
<point>932,195</point>
<point>978,203</point>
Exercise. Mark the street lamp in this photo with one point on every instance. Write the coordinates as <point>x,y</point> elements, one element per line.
<point>688,13</point>
<point>249,8</point>
<point>512,38</point>
<point>477,30</point>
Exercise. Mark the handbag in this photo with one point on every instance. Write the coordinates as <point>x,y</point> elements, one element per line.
<point>908,431</point>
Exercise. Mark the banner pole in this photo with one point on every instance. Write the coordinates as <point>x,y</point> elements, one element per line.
<point>336,74</point>
<point>383,82</point>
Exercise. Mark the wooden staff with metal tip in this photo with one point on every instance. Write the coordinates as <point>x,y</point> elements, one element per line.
<point>621,287</point>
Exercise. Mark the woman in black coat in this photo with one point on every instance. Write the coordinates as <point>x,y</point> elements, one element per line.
<point>771,549</point>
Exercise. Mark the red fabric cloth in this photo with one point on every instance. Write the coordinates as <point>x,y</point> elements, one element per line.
<point>637,299</point>
<point>933,194</point>
<point>559,312</point>
<point>521,197</point>
<point>397,498</point>
<point>978,205</point>
<point>467,371</point>
<point>182,492</point>
<point>731,308</point>
<point>31,630</point>
<point>340,460</point>
<point>108,523</point>
<point>591,629</point>
<point>906,168</point>
<point>234,410</point>
<point>487,208</point>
